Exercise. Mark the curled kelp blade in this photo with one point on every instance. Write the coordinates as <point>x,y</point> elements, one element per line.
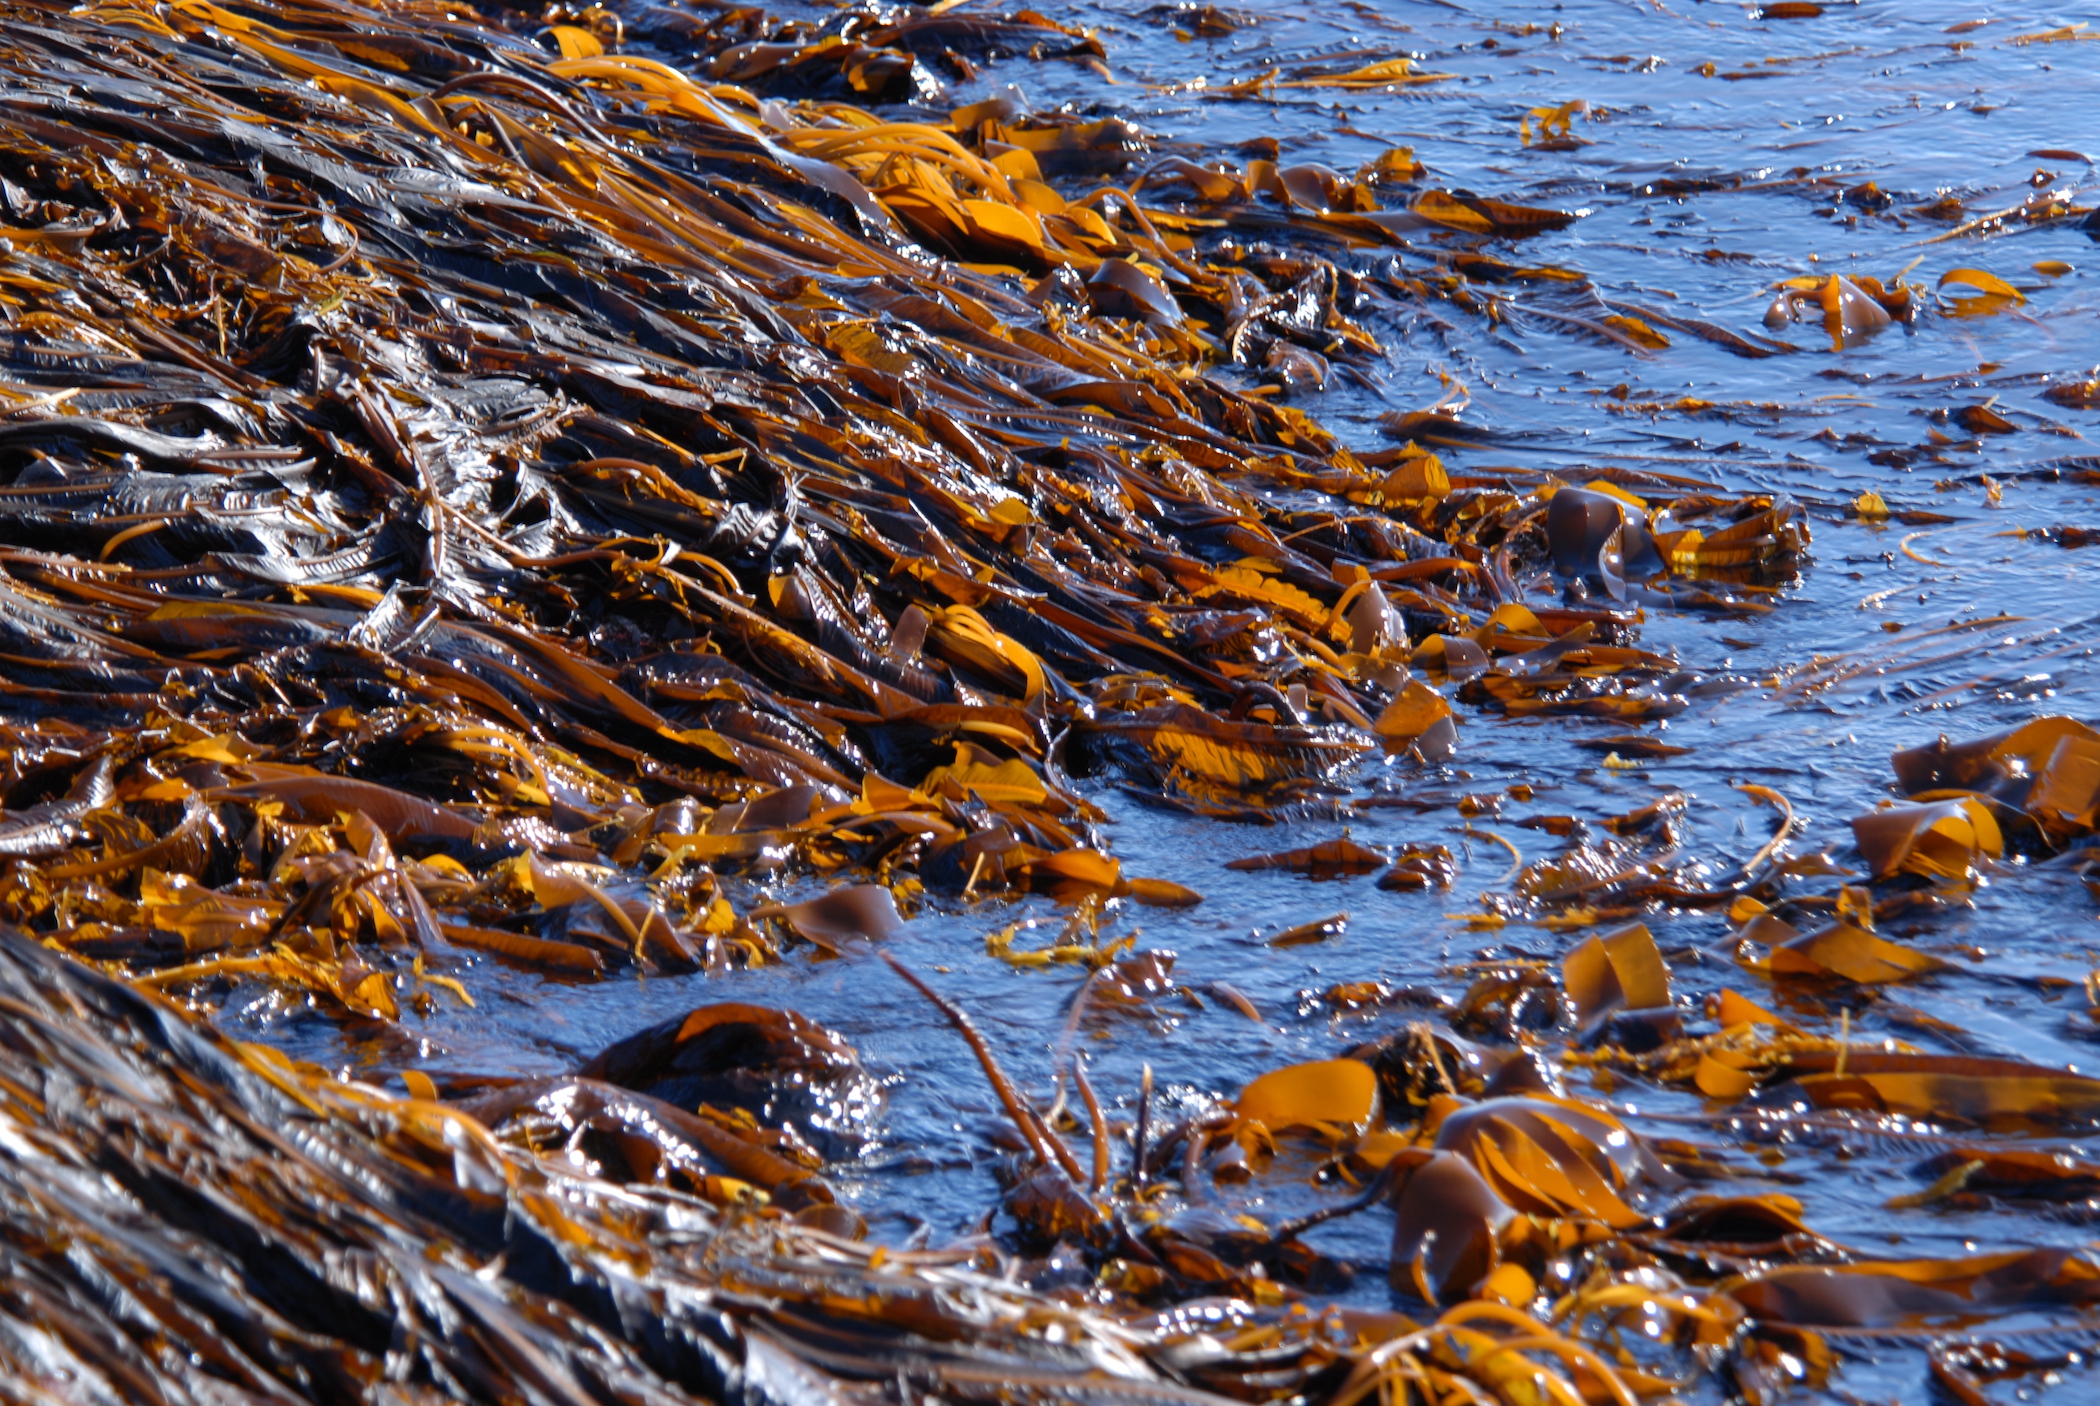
<point>2048,768</point>
<point>1446,1229</point>
<point>1615,971</point>
<point>1943,840</point>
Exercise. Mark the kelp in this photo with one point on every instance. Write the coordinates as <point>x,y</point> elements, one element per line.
<point>1884,1293</point>
<point>468,485</point>
<point>1328,859</point>
<point>238,1223</point>
<point>1850,309</point>
<point>534,468</point>
<point>2032,790</point>
<point>2048,768</point>
<point>1615,971</point>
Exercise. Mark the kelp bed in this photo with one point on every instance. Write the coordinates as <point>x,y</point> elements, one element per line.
<point>475,493</point>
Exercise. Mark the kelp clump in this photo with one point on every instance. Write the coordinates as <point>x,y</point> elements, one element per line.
<point>192,1219</point>
<point>469,488</point>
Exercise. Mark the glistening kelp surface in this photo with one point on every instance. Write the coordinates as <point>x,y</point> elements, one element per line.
<point>729,644</point>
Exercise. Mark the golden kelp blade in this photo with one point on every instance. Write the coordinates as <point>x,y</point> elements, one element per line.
<point>1336,1092</point>
<point>1385,73</point>
<point>2049,768</point>
<point>1415,712</point>
<point>1614,971</point>
<point>1843,950</point>
<point>1944,840</point>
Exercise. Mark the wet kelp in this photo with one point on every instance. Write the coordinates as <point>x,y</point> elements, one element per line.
<point>191,1219</point>
<point>473,488</point>
<point>234,1222</point>
<point>483,494</point>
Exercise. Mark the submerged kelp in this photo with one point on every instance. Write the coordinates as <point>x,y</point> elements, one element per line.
<point>628,493</point>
